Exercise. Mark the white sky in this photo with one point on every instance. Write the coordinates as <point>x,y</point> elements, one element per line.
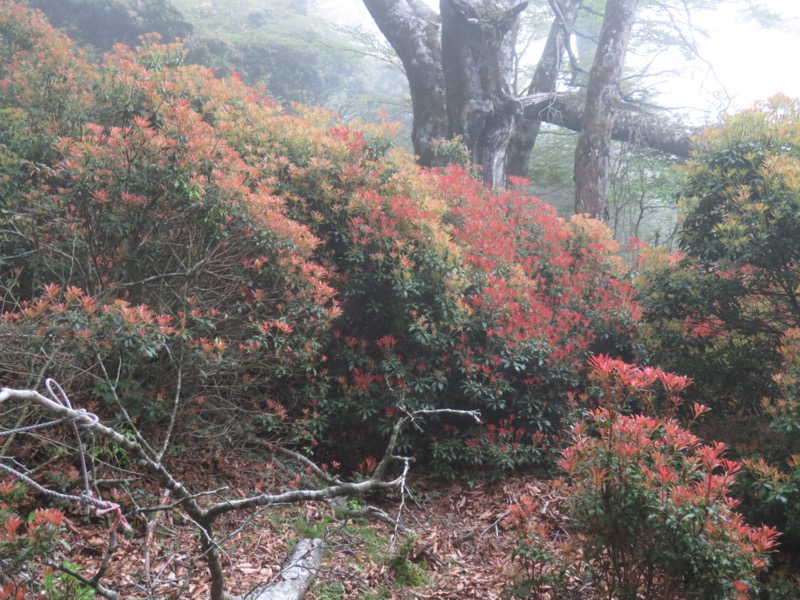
<point>754,63</point>
<point>751,62</point>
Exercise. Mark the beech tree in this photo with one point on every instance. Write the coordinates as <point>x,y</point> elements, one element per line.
<point>593,152</point>
<point>458,62</point>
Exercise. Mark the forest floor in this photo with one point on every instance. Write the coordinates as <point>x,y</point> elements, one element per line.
<point>459,542</point>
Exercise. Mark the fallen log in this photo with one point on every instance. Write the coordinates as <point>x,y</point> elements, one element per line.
<point>293,581</point>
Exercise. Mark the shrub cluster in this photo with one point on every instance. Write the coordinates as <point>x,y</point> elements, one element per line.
<point>649,502</point>
<point>185,241</point>
<point>724,310</point>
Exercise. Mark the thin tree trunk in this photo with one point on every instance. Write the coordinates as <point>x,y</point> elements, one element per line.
<point>544,80</point>
<point>208,545</point>
<point>593,151</point>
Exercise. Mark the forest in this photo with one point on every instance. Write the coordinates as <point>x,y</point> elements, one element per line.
<point>283,316</point>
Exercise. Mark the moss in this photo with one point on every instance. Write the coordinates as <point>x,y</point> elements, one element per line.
<point>406,572</point>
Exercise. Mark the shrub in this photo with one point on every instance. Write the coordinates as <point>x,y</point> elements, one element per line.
<point>143,245</point>
<point>770,487</point>
<point>720,310</point>
<point>651,503</point>
<point>26,542</point>
<point>725,310</point>
<point>476,301</point>
<point>280,265</point>
<point>540,568</point>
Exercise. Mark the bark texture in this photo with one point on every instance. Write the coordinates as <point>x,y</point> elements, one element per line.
<point>476,61</point>
<point>593,151</point>
<point>413,30</point>
<point>298,574</point>
<point>631,124</point>
<point>544,80</point>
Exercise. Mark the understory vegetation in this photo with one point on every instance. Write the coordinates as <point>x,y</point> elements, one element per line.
<point>196,270</point>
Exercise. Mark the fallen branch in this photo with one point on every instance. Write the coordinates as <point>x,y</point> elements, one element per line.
<point>293,581</point>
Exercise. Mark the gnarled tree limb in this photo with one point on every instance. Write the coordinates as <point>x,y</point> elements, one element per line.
<point>204,517</point>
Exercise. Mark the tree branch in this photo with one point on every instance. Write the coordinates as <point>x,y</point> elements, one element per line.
<point>201,518</point>
<point>631,124</point>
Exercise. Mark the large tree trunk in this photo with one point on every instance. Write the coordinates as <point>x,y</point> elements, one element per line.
<point>544,80</point>
<point>457,68</point>
<point>477,58</point>
<point>412,29</point>
<point>593,151</point>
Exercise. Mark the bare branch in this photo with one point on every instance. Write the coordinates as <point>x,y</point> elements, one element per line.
<point>203,518</point>
<point>566,29</point>
<point>322,474</point>
<point>173,416</point>
<point>96,586</point>
<point>90,422</point>
<point>112,386</point>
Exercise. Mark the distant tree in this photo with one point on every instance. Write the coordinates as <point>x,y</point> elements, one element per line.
<point>458,64</point>
<point>281,44</point>
<point>544,79</point>
<point>593,153</point>
<point>103,23</point>
<point>284,45</point>
<point>643,186</point>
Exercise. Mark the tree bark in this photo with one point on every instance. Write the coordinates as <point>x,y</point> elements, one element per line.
<point>297,575</point>
<point>593,151</point>
<point>544,80</point>
<point>412,29</point>
<point>457,66</point>
<point>477,58</point>
<point>631,124</point>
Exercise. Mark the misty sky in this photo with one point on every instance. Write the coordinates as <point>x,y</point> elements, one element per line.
<point>751,62</point>
<point>754,62</point>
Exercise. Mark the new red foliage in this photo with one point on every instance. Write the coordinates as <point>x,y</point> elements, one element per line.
<point>651,502</point>
<point>271,256</point>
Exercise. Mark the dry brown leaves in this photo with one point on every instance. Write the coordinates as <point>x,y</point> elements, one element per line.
<point>462,539</point>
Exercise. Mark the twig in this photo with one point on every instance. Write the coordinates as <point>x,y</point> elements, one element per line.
<point>327,477</point>
<point>173,416</point>
<point>112,545</point>
<point>370,512</point>
<point>398,527</point>
<point>112,386</point>
<point>173,505</point>
<point>148,540</point>
<point>244,525</point>
<point>95,585</point>
<point>496,522</point>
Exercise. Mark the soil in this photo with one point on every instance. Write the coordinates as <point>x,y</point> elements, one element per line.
<point>453,540</point>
